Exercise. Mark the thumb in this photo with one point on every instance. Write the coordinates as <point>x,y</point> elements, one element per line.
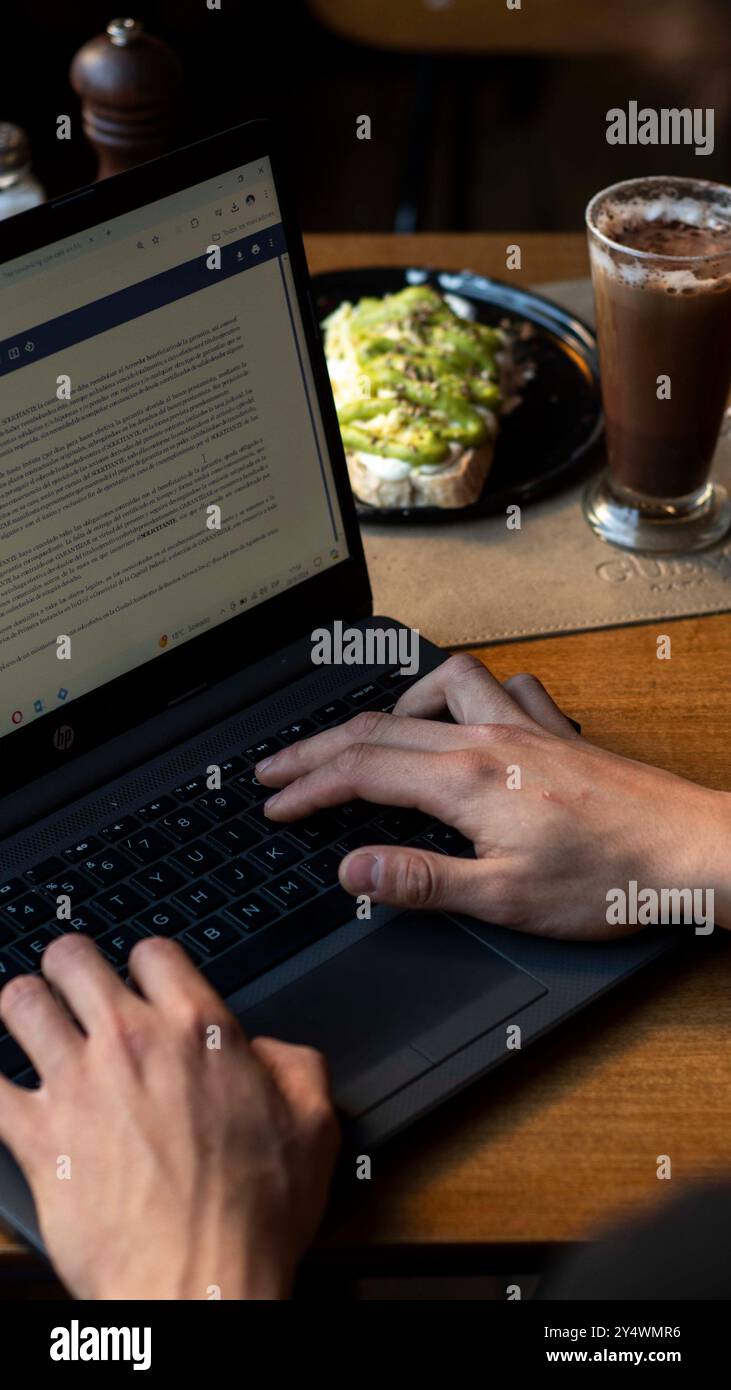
<point>404,877</point>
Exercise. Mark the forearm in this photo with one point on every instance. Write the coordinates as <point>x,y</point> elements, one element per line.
<point>713,851</point>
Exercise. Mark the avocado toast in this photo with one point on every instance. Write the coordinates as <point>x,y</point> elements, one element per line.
<point>417,391</point>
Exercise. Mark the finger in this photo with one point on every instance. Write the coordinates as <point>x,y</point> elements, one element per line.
<point>167,978</point>
<point>39,1024</point>
<point>299,1073</point>
<point>369,726</point>
<point>18,1118</point>
<point>405,877</point>
<point>387,776</point>
<point>465,688</point>
<point>534,699</point>
<point>92,990</point>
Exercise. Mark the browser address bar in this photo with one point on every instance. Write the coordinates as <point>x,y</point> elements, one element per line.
<point>220,220</point>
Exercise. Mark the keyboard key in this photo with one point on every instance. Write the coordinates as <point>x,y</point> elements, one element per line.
<point>235,836</point>
<point>283,938</point>
<point>154,809</point>
<point>109,867</point>
<point>249,784</point>
<point>197,858</point>
<point>263,749</point>
<point>148,846</point>
<point>75,886</point>
<point>28,912</point>
<point>290,890</point>
<point>12,888</point>
<point>258,816</point>
<point>7,936</point>
<point>163,920</point>
<point>363,694</point>
<point>213,936</point>
<point>402,823</point>
<point>353,813</point>
<point>392,680</point>
<point>314,832</point>
<point>324,866</point>
<point>239,876</point>
<point>48,868</point>
<point>120,828</point>
<point>120,904</point>
<point>12,1058</point>
<point>187,791</point>
<point>29,1079</point>
<point>185,825</point>
<point>221,805</point>
<point>31,948</point>
<point>159,880</point>
<point>231,765</point>
<point>361,835</point>
<point>75,853</point>
<point>8,968</point>
<point>117,944</point>
<point>328,714</point>
<point>301,728</point>
<point>86,921</point>
<point>252,912</point>
<point>200,898</point>
<point>276,853</point>
<point>444,838</point>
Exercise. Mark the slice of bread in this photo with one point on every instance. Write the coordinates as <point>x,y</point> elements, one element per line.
<point>456,486</point>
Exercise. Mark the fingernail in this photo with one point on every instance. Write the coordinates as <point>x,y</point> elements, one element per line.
<point>272,801</point>
<point>259,767</point>
<point>362,873</point>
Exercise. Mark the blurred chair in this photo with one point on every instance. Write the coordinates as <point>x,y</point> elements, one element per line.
<point>450,34</point>
<point>488,26</point>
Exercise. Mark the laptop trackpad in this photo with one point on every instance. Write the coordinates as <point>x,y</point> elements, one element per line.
<point>388,1008</point>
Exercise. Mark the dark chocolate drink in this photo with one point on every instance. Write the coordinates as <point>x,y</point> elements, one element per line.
<point>661,267</point>
<point>665,349</point>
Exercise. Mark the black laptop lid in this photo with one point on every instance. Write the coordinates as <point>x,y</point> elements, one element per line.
<point>175,501</point>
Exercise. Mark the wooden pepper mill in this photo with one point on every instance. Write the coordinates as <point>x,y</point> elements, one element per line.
<point>127,82</point>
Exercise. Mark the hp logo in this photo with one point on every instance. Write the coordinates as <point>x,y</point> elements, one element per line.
<point>63,737</point>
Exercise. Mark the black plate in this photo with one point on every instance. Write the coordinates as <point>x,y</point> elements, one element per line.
<point>542,443</point>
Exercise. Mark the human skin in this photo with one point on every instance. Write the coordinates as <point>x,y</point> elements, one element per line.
<point>195,1169</point>
<point>575,822</point>
<point>195,1172</point>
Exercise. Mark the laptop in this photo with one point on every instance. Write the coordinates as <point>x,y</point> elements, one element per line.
<point>177,524</point>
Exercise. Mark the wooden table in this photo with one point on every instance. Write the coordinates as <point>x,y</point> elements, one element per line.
<point>571,1136</point>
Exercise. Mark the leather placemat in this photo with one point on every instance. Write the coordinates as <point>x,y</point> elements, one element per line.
<point>473,582</point>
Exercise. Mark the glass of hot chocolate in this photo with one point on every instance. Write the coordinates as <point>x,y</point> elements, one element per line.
<point>660,251</point>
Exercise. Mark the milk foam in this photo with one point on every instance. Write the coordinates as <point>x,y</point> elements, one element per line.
<point>615,215</point>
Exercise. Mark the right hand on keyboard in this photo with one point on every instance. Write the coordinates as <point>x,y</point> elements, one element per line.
<point>556,823</point>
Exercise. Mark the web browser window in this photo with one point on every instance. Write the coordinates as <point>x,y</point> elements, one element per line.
<point>152,370</point>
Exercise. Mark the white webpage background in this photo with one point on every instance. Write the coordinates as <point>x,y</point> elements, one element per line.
<point>115,590</point>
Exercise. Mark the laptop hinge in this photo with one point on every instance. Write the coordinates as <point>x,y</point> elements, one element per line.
<point>188,715</point>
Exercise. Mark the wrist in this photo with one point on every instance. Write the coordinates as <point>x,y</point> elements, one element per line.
<point>221,1272</point>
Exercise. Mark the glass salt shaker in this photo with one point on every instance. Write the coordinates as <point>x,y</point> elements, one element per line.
<point>19,188</point>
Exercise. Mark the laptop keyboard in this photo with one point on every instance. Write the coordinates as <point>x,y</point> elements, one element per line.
<point>208,869</point>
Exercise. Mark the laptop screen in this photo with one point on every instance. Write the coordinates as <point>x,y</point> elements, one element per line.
<point>163,465</point>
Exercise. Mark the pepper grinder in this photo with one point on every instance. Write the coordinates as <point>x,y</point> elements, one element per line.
<point>127,82</point>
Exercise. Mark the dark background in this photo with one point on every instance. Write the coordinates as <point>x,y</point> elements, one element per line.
<point>505,139</point>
